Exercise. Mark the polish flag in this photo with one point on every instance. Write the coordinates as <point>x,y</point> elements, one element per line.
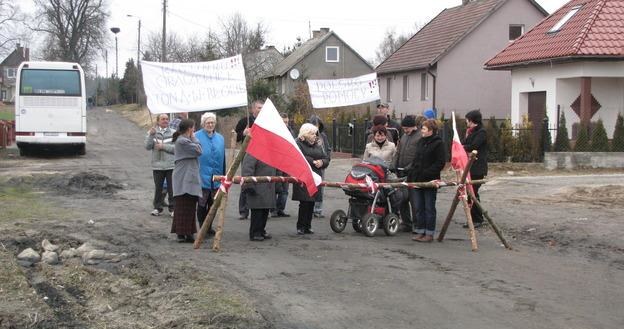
<point>272,143</point>
<point>459,158</point>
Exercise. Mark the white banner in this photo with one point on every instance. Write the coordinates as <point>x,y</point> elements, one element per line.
<point>344,92</point>
<point>191,87</point>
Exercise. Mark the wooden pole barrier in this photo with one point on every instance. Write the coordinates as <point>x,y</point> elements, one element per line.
<point>281,179</point>
<point>220,193</point>
<point>216,243</point>
<point>495,228</point>
<point>449,217</point>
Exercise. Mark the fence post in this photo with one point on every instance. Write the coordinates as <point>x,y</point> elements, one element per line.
<point>365,130</point>
<point>353,138</point>
<point>334,134</point>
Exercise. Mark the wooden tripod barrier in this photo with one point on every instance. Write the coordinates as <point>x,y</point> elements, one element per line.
<point>449,217</point>
<point>220,194</point>
<point>216,243</point>
<point>489,219</point>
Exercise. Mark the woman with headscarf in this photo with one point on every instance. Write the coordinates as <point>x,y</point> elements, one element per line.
<point>211,162</point>
<point>324,142</point>
<point>186,183</point>
<point>308,142</point>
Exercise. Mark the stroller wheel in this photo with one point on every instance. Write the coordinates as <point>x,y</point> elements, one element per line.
<point>391,224</point>
<point>369,224</point>
<point>338,221</point>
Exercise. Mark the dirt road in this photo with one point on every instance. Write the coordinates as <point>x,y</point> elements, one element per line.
<point>566,270</point>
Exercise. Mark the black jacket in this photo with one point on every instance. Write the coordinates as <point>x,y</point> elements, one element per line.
<point>240,127</point>
<point>477,140</point>
<point>429,160</point>
<point>311,153</point>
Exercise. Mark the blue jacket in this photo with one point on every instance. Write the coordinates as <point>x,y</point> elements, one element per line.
<point>212,160</point>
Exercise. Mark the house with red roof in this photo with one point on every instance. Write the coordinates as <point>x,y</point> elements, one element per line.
<point>441,66</point>
<point>573,61</point>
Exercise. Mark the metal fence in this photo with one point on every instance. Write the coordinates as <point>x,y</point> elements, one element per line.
<point>504,144</point>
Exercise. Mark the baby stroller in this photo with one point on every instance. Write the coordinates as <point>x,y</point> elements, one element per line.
<point>367,210</point>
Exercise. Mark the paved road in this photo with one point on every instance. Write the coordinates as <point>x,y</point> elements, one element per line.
<point>330,280</point>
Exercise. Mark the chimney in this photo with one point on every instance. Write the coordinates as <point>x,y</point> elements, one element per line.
<point>316,33</point>
<point>324,30</point>
<point>465,2</point>
<point>26,54</point>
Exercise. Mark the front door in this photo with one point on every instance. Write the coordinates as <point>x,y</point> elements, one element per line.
<point>537,110</point>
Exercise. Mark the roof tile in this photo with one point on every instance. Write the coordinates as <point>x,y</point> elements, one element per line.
<point>439,35</point>
<point>597,29</point>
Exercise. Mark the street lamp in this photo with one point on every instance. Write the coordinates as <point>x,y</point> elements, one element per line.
<point>138,38</point>
<point>116,30</point>
<point>138,56</point>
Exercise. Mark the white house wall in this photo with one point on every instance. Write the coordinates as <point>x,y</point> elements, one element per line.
<point>562,85</point>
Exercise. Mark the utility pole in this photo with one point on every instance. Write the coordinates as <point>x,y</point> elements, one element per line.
<point>163,56</point>
<point>106,59</point>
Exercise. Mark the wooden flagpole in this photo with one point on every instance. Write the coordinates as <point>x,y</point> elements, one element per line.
<point>220,193</point>
<point>216,243</point>
<point>458,196</point>
<point>495,228</point>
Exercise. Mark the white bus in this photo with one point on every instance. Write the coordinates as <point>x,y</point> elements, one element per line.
<point>50,107</point>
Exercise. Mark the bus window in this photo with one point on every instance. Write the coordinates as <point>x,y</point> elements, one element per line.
<point>50,82</point>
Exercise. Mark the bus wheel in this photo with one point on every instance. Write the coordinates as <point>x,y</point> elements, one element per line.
<point>82,149</point>
<point>24,151</point>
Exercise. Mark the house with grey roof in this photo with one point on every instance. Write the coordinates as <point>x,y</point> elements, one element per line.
<point>441,66</point>
<point>260,63</point>
<point>8,72</point>
<point>324,56</point>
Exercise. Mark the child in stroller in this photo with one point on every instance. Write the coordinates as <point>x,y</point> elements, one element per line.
<point>370,208</point>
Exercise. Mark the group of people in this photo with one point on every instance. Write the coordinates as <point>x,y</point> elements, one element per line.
<point>185,161</point>
<point>258,200</point>
<point>419,155</point>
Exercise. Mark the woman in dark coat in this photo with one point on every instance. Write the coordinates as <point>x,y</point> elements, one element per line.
<point>429,160</point>
<point>476,139</point>
<point>317,158</point>
<point>186,182</point>
<point>324,142</point>
<point>260,197</point>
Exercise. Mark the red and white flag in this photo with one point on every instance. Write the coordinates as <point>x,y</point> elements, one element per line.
<point>459,158</point>
<point>272,143</point>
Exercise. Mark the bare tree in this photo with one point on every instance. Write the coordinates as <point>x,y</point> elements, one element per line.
<point>12,29</point>
<point>75,29</point>
<point>237,37</point>
<point>393,41</point>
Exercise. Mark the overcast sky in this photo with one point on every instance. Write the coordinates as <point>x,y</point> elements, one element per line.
<point>361,24</point>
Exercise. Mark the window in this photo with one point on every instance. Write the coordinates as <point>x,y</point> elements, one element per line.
<point>332,54</point>
<point>565,19</point>
<point>9,72</point>
<point>405,88</point>
<point>50,82</point>
<point>423,86</point>
<point>388,85</point>
<point>515,31</point>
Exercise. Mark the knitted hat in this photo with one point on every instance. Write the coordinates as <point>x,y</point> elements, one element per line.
<point>408,121</point>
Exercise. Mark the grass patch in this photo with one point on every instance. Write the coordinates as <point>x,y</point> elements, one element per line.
<point>22,203</point>
<point>140,115</point>
<point>7,112</point>
<point>18,305</point>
